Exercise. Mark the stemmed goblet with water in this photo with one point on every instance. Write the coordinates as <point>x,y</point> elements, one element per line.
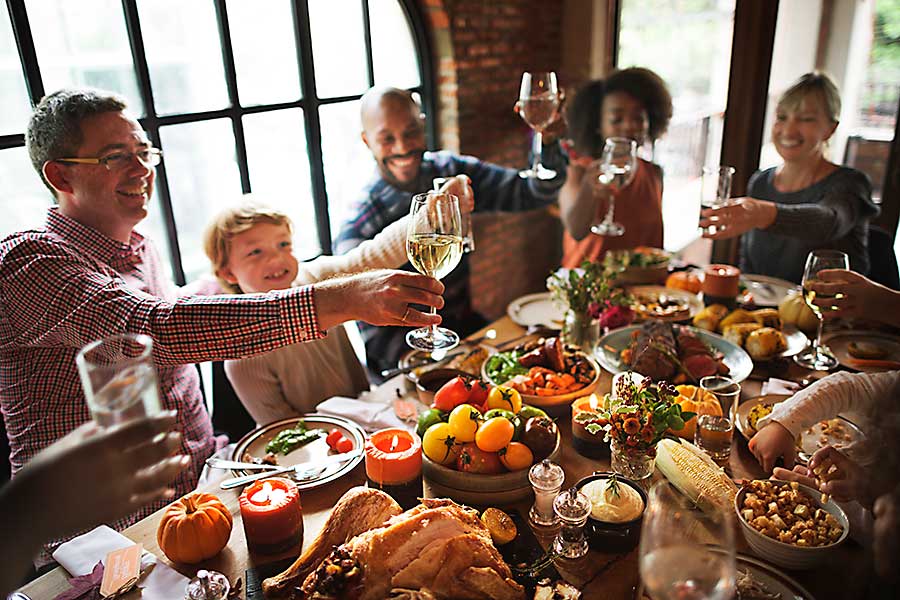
<point>434,245</point>
<point>617,168</point>
<point>537,105</point>
<point>818,357</point>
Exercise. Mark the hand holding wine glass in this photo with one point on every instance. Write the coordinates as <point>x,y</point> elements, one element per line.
<point>538,104</point>
<point>677,558</point>
<point>819,357</point>
<point>617,169</point>
<point>434,247</point>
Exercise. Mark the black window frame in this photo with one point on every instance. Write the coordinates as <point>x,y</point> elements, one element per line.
<point>309,101</point>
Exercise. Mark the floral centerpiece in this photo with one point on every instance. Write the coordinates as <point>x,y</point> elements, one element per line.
<point>635,417</point>
<point>592,302</point>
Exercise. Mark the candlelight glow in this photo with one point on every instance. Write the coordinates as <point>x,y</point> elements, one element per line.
<point>268,495</point>
<point>394,442</point>
<point>595,402</point>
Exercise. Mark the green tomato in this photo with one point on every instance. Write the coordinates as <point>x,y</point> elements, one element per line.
<point>530,411</point>
<point>429,418</point>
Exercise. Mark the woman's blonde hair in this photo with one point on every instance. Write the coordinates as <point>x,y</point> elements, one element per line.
<point>818,85</point>
<point>230,222</point>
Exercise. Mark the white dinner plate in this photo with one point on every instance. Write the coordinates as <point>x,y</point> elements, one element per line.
<point>840,341</point>
<point>767,291</point>
<point>536,310</point>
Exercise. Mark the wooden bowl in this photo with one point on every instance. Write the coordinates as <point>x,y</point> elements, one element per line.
<point>476,489</point>
<point>429,382</point>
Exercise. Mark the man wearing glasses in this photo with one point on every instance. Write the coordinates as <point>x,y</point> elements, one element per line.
<point>87,274</point>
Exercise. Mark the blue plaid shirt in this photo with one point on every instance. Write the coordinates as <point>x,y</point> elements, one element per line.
<point>496,189</point>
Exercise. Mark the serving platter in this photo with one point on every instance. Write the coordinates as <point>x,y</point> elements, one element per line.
<point>687,304</point>
<point>839,342</point>
<point>767,291</point>
<point>549,403</point>
<point>538,310</point>
<point>254,445</point>
<point>774,580</point>
<point>610,346</point>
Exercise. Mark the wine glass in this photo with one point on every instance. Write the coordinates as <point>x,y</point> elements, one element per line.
<point>538,103</point>
<point>434,247</point>
<point>617,169</point>
<point>819,357</point>
<point>677,557</point>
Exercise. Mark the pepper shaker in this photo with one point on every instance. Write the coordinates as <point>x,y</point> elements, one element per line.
<point>546,479</point>
<point>572,508</point>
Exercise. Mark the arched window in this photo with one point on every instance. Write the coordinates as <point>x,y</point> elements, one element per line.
<point>241,96</point>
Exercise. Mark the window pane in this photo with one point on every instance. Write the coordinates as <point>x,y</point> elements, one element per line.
<point>279,81</point>
<point>697,76</point>
<point>348,162</point>
<point>184,55</point>
<point>23,198</point>
<point>84,43</point>
<point>16,108</point>
<point>203,175</point>
<point>339,47</point>
<point>393,51</point>
<point>276,149</point>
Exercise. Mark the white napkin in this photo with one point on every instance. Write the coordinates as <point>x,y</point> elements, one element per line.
<point>779,386</point>
<point>370,415</point>
<point>79,555</point>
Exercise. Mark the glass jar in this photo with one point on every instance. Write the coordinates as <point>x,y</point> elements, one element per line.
<point>580,330</point>
<point>630,462</point>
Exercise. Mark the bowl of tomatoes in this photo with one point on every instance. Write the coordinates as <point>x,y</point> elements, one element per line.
<point>479,442</point>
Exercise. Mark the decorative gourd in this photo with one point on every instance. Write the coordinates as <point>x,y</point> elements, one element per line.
<point>696,400</point>
<point>194,528</point>
<point>793,310</point>
<point>684,280</point>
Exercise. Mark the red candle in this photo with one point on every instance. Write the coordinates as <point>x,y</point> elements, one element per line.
<point>394,465</point>
<point>587,443</point>
<point>721,281</point>
<point>272,516</point>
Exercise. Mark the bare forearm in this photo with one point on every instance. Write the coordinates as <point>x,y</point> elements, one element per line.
<point>577,204</point>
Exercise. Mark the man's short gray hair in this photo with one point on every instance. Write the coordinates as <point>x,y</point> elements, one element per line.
<point>54,130</point>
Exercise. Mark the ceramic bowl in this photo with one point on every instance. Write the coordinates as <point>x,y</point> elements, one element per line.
<point>429,382</point>
<point>614,537</point>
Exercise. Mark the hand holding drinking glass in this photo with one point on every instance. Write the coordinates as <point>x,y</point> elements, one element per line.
<point>538,104</point>
<point>819,357</point>
<point>434,247</point>
<point>617,168</point>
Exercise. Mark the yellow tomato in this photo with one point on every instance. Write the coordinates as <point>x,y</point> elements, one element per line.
<point>464,420</point>
<point>439,445</point>
<point>494,434</point>
<point>506,398</point>
<point>516,456</point>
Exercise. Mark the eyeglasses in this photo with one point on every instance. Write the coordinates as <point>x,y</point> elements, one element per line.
<point>118,161</point>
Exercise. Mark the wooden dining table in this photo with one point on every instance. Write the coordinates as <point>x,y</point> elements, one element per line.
<point>598,575</point>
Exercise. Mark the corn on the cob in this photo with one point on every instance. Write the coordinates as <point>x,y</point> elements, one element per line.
<point>695,475</point>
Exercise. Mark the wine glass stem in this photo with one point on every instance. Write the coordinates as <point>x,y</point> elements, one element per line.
<point>537,147</point>
<point>817,344</point>
<point>610,211</point>
<point>432,330</point>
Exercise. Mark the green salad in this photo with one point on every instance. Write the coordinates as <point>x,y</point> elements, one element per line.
<point>503,366</point>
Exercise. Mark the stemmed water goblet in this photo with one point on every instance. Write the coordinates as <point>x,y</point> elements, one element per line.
<point>537,105</point>
<point>818,357</point>
<point>617,168</point>
<point>434,246</point>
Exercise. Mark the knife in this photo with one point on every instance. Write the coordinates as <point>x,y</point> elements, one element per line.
<point>305,466</point>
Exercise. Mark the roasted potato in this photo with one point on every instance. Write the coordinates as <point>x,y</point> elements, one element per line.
<point>736,316</point>
<point>737,334</point>
<point>709,317</point>
<point>767,317</point>
<point>764,343</point>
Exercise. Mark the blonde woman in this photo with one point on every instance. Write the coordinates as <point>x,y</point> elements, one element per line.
<point>807,203</point>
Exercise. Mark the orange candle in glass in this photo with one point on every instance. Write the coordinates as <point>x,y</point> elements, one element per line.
<point>587,443</point>
<point>394,465</point>
<point>720,284</point>
<point>272,516</point>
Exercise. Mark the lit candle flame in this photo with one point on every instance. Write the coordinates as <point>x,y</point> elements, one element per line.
<point>594,402</point>
<point>262,496</point>
<point>394,442</point>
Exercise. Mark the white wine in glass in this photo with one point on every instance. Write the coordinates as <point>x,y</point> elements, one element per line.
<point>434,245</point>
<point>538,104</point>
<point>685,553</point>
<point>617,170</point>
<point>819,357</point>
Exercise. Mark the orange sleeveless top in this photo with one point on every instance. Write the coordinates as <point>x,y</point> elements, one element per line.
<point>638,208</point>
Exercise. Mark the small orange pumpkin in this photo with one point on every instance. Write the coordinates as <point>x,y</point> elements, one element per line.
<point>684,280</point>
<point>194,528</point>
<point>696,400</point>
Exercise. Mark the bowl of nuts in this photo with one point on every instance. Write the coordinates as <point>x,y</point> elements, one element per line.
<point>790,524</point>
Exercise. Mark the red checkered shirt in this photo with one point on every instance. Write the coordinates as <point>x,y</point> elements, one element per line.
<point>66,285</point>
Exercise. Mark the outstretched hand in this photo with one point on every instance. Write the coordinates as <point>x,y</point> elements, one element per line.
<point>737,217</point>
<point>772,442</point>
<point>461,187</point>
<point>840,476</point>
<point>859,296</point>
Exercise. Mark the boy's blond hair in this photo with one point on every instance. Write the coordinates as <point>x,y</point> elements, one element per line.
<point>230,222</point>
<point>817,85</point>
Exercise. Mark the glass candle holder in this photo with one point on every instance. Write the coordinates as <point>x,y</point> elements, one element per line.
<point>572,509</point>
<point>546,479</point>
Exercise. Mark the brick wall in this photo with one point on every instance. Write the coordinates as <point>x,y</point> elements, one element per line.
<point>481,48</point>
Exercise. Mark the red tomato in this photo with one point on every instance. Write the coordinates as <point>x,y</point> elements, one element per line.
<point>472,459</point>
<point>343,445</point>
<point>478,395</point>
<point>333,436</point>
<point>452,394</point>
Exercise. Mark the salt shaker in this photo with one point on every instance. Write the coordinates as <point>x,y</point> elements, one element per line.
<point>208,585</point>
<point>547,479</point>
<point>572,508</point>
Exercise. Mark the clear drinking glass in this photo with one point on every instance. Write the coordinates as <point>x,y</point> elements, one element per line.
<point>468,234</point>
<point>119,378</point>
<point>617,169</point>
<point>715,188</point>
<point>714,435</point>
<point>817,356</point>
<point>538,103</point>
<point>726,390</point>
<point>678,560</point>
<point>434,247</point>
